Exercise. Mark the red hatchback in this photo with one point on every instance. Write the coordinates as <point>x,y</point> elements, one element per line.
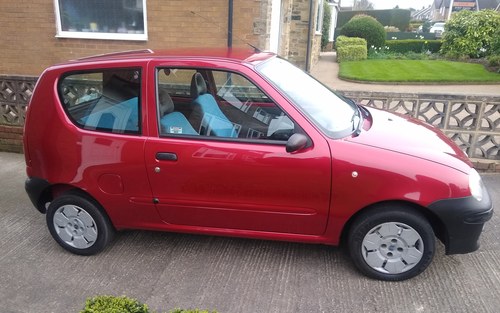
<point>244,144</point>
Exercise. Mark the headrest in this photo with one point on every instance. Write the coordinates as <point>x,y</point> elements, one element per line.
<point>166,103</point>
<point>198,86</point>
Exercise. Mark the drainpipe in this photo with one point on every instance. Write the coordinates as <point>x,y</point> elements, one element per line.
<point>230,24</point>
<point>309,43</point>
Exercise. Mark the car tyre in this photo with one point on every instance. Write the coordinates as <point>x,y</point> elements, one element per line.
<point>79,224</point>
<point>391,243</point>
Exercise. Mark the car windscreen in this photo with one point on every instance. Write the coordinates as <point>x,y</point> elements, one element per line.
<point>332,113</point>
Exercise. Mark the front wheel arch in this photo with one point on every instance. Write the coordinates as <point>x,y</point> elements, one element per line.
<point>437,226</point>
<point>393,242</point>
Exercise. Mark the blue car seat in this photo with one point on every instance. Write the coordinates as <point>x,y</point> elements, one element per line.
<point>172,122</point>
<point>206,112</point>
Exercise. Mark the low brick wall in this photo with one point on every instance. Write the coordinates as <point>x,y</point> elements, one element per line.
<point>11,138</point>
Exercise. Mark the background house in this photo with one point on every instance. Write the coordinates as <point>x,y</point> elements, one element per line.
<point>35,34</point>
<point>441,8</point>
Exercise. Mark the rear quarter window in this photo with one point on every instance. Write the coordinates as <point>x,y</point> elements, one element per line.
<point>103,100</point>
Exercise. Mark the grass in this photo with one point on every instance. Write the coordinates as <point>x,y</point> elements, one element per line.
<point>407,71</point>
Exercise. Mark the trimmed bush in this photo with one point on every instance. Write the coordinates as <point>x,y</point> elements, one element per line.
<point>364,26</point>
<point>349,41</point>
<point>471,34</point>
<point>399,18</point>
<point>410,45</point>
<point>123,304</point>
<point>110,304</point>
<point>352,53</point>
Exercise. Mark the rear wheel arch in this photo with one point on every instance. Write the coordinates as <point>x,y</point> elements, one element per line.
<point>79,223</point>
<point>54,191</point>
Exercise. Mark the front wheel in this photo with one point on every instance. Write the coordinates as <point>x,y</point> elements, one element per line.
<point>391,243</point>
<point>78,224</point>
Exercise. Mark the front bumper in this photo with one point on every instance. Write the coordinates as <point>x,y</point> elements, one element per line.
<point>463,219</point>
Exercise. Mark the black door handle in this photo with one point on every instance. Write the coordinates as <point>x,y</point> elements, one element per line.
<point>166,156</point>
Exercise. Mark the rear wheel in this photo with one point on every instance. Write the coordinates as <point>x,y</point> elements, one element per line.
<point>78,224</point>
<point>391,243</point>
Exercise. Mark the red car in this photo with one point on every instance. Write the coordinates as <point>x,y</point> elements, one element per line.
<point>237,143</point>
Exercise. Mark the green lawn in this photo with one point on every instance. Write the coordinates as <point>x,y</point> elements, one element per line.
<point>416,71</point>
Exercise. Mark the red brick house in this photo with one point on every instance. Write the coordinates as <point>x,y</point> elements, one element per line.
<point>38,33</point>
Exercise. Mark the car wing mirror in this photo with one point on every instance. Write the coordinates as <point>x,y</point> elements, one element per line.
<point>296,142</point>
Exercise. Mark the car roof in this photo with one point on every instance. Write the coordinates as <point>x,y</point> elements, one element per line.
<point>235,54</point>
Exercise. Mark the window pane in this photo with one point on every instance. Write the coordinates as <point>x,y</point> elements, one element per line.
<point>99,18</point>
<point>104,101</point>
<point>225,105</point>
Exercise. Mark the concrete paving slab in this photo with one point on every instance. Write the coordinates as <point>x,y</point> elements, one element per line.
<point>229,275</point>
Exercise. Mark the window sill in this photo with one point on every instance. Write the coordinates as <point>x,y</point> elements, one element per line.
<point>102,36</point>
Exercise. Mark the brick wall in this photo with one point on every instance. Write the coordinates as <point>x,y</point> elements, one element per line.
<point>28,29</point>
<point>11,138</point>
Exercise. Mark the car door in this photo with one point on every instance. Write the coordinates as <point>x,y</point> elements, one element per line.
<point>244,179</point>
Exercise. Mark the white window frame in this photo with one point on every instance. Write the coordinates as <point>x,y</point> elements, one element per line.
<point>319,17</point>
<point>60,33</point>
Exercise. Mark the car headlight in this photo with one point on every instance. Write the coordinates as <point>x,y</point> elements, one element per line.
<point>476,185</point>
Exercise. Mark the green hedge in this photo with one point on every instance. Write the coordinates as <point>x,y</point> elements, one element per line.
<point>349,41</point>
<point>410,45</point>
<point>123,304</point>
<point>367,27</point>
<point>408,35</point>
<point>399,18</point>
<point>352,53</point>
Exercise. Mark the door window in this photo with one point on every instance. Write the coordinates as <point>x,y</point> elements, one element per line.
<point>212,103</point>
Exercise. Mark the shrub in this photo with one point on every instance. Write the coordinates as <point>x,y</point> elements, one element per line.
<point>399,18</point>
<point>408,35</point>
<point>471,33</point>
<point>391,29</point>
<point>495,43</point>
<point>494,60</point>
<point>364,26</point>
<point>110,304</point>
<point>352,53</point>
<point>349,41</point>
<point>325,30</point>
<point>417,46</point>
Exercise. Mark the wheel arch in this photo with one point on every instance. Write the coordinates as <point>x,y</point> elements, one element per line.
<point>64,189</point>
<point>437,226</point>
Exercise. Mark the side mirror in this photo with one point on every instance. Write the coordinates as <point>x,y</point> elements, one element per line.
<point>296,142</point>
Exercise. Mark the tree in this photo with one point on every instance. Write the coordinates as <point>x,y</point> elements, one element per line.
<point>327,20</point>
<point>362,5</point>
<point>471,34</point>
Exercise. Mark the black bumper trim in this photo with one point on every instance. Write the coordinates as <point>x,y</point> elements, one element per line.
<point>35,188</point>
<point>463,219</point>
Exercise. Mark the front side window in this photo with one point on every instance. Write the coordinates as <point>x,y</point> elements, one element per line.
<point>101,19</point>
<point>213,103</point>
<point>106,101</point>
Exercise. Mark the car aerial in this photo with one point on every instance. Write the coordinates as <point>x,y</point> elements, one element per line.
<point>242,143</point>
<point>437,29</point>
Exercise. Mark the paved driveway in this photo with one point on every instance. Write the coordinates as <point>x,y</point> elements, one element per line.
<point>229,275</point>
